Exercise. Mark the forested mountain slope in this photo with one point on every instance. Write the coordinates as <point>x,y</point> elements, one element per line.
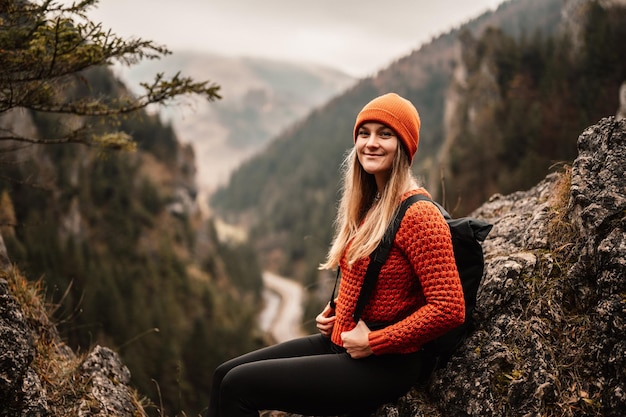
<point>122,250</point>
<point>507,92</point>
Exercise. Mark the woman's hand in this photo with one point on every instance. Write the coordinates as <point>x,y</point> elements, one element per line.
<point>326,320</point>
<point>356,341</point>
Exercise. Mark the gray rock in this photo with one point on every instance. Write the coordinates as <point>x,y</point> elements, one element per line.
<point>16,349</point>
<point>109,391</point>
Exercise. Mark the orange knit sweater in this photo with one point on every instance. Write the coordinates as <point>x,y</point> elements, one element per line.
<point>418,289</point>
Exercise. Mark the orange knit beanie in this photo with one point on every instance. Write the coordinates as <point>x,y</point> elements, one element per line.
<point>396,112</point>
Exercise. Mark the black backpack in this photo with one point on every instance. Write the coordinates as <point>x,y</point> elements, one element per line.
<point>467,233</point>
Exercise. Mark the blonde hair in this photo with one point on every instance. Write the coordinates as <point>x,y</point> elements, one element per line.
<point>361,219</point>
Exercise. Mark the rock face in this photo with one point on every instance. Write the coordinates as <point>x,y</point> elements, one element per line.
<point>551,308</point>
<point>16,347</point>
<point>551,312</point>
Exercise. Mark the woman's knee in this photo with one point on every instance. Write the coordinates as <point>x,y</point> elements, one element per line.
<point>220,372</point>
<point>235,395</point>
<point>236,381</point>
<point>229,383</point>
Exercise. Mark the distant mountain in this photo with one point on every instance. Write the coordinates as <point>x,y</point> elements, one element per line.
<point>260,99</point>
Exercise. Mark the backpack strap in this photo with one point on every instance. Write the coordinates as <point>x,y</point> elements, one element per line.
<point>380,254</point>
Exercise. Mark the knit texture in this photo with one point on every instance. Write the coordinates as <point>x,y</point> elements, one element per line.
<point>396,112</point>
<point>418,290</point>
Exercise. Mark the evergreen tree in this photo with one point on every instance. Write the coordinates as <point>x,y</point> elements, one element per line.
<point>46,46</point>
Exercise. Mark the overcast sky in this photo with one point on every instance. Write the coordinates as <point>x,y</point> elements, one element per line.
<point>358,37</point>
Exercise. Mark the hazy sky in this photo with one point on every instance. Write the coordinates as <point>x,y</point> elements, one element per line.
<point>359,37</point>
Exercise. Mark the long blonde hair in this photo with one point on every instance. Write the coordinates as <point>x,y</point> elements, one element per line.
<point>361,219</point>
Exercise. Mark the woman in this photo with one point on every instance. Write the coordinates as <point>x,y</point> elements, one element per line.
<point>349,368</point>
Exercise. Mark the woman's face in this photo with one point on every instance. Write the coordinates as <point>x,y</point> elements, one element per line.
<point>376,146</point>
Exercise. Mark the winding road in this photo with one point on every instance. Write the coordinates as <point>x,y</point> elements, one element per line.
<point>282,315</point>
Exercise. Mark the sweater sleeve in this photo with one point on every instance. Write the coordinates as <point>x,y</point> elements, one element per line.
<point>424,238</point>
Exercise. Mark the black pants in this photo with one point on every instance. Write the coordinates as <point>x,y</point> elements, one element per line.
<point>309,376</point>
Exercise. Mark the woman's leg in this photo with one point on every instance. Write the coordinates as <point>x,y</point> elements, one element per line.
<point>326,384</point>
<point>305,346</point>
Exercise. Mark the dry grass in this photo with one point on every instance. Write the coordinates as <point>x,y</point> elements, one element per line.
<point>561,232</point>
<point>56,364</point>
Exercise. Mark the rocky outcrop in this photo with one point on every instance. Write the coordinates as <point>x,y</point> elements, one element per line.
<point>473,89</point>
<point>40,376</point>
<point>574,18</point>
<point>551,308</point>
<point>108,392</point>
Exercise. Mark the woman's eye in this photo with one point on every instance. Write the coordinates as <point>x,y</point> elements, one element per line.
<point>364,133</point>
<point>385,134</point>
